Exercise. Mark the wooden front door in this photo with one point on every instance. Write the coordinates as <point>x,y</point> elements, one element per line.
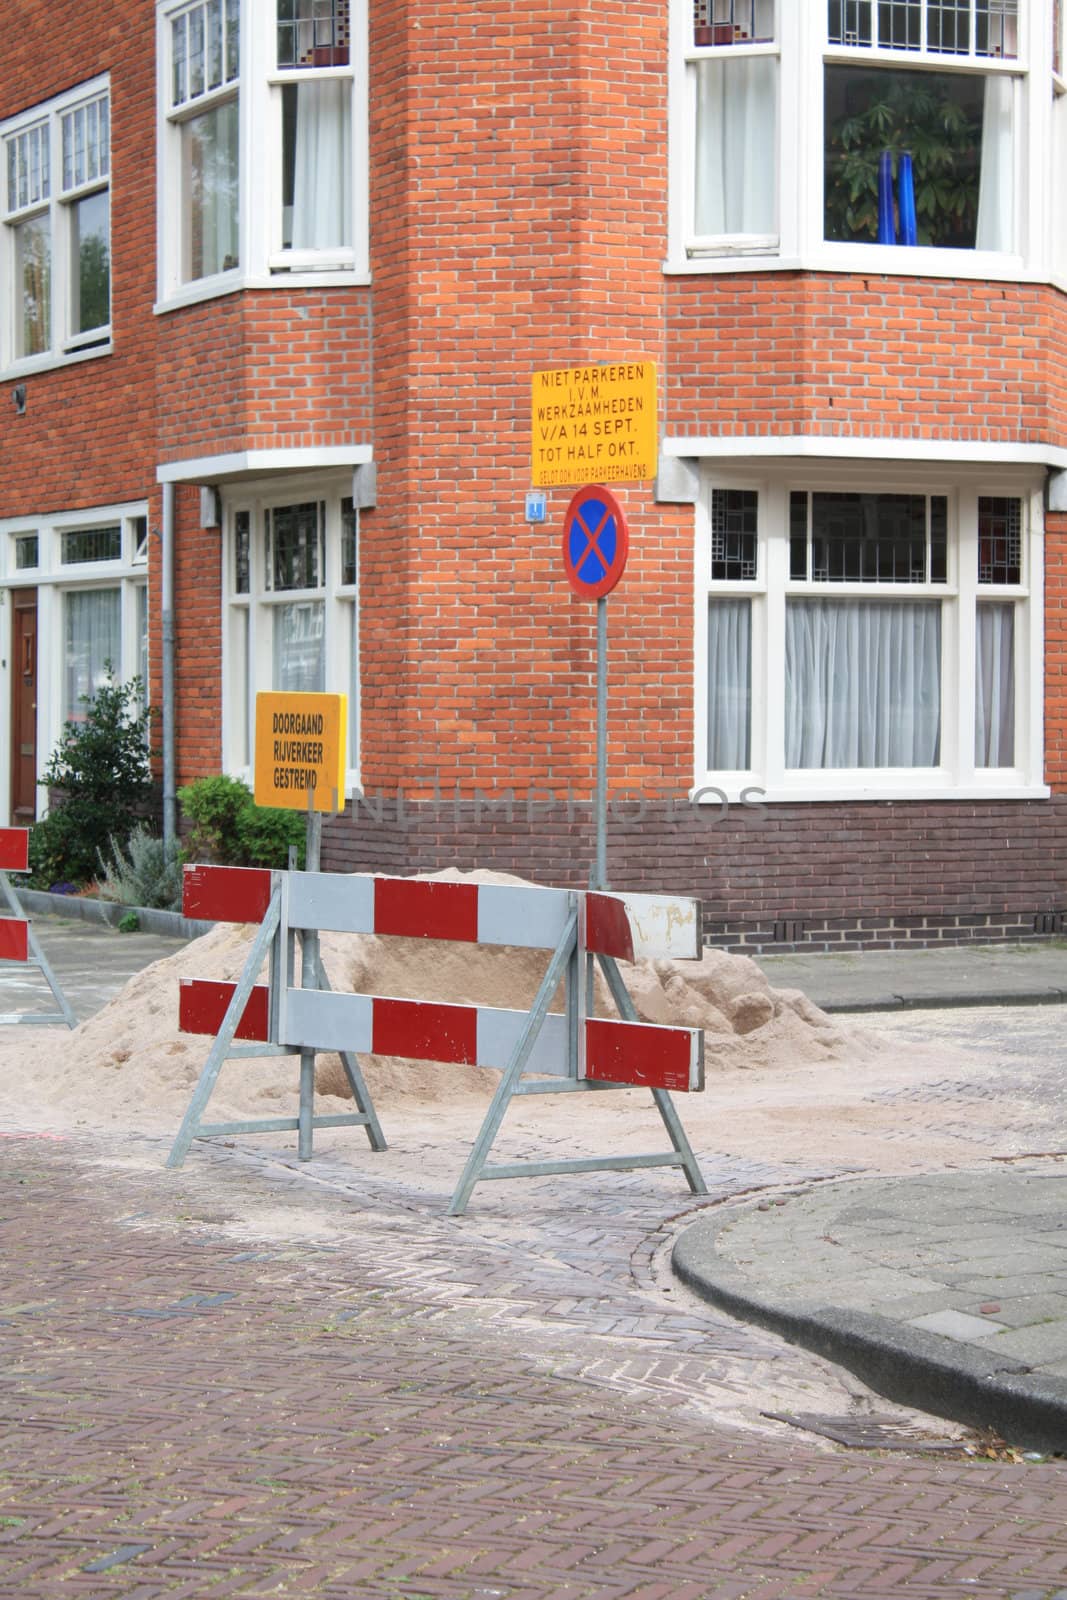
<point>23,707</point>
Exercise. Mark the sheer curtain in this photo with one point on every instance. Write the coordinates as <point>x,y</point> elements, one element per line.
<point>322,165</point>
<point>729,684</point>
<point>994,697</point>
<point>299,654</point>
<point>211,176</point>
<point>863,683</point>
<point>996,210</point>
<point>736,166</point>
<point>93,638</point>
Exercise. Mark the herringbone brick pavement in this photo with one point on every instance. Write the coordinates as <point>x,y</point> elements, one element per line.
<point>365,1403</point>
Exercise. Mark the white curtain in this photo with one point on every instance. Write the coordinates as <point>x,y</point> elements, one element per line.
<point>211,178</point>
<point>93,638</point>
<point>736,164</point>
<point>729,684</point>
<point>994,698</point>
<point>299,656</point>
<point>322,170</point>
<point>863,683</point>
<point>996,208</point>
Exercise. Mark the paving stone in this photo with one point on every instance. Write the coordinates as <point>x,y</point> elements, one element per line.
<point>956,1325</point>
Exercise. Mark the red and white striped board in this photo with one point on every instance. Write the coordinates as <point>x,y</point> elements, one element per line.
<point>14,849</point>
<point>642,927</point>
<point>426,908</point>
<point>14,939</point>
<point>202,1004</point>
<point>226,894</point>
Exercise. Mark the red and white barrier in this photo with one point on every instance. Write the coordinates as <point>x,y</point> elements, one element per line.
<point>579,1051</point>
<point>17,939</point>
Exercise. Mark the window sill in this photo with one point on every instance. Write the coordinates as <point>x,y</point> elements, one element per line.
<point>216,288</point>
<point>872,260</point>
<point>746,789</point>
<point>51,360</point>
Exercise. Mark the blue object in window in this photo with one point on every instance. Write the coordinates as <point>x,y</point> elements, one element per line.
<point>906,201</point>
<point>887,232</point>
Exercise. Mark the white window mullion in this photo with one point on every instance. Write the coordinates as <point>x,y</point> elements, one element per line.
<point>775,499</point>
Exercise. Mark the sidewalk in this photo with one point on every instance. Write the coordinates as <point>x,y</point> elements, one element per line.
<point>965,975</point>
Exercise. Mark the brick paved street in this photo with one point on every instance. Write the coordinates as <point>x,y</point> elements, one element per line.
<point>240,1379</point>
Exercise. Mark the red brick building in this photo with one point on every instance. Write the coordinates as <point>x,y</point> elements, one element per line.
<point>275,275</point>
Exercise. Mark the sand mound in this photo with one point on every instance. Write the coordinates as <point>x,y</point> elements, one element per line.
<point>131,1056</point>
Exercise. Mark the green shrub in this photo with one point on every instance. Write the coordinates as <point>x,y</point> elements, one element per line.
<point>230,829</point>
<point>145,871</point>
<point>130,923</point>
<point>102,768</point>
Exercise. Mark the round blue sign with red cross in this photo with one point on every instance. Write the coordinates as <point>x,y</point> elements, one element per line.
<point>596,542</point>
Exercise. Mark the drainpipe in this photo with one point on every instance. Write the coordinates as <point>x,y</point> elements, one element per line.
<point>167,607</point>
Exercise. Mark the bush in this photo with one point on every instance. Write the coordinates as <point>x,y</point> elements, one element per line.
<point>228,828</point>
<point>101,766</point>
<point>144,872</point>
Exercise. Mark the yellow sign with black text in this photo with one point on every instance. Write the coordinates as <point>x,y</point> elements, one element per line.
<point>300,751</point>
<point>594,424</point>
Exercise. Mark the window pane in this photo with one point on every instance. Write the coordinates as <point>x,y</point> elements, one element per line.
<point>798,535</point>
<point>959,131</point>
<point>92,544</point>
<point>209,189</point>
<point>294,557</point>
<point>994,699</point>
<point>868,538</point>
<point>313,33</point>
<point>349,531</point>
<point>93,640</point>
<point>33,286</point>
<point>863,684</point>
<point>26,551</point>
<point>736,143</point>
<point>733,534</point>
<point>729,684</point>
<point>242,552</point>
<point>90,236</point>
<point>299,654</point>
<point>1000,550</point>
<point>317,164</point>
<point>142,637</point>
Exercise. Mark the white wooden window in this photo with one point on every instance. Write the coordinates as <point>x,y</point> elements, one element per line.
<point>263,160</point>
<point>812,133</point>
<point>291,621</point>
<point>92,609</point>
<point>55,244</point>
<point>860,641</point>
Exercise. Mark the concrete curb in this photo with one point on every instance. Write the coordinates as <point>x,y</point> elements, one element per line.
<point>165,924</point>
<point>908,1365</point>
<point>941,1002</point>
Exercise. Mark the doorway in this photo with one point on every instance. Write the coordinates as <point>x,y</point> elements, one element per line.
<point>23,707</point>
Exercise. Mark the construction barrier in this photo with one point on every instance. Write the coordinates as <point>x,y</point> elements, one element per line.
<point>18,942</point>
<point>569,1052</point>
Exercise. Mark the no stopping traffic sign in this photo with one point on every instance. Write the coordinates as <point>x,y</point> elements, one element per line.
<point>596,542</point>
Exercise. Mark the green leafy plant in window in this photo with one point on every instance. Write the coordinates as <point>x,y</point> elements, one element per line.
<point>936,117</point>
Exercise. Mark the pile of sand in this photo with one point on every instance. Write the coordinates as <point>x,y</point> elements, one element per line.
<point>132,1060</point>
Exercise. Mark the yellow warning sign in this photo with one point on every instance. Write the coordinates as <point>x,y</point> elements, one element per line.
<point>300,751</point>
<point>594,424</point>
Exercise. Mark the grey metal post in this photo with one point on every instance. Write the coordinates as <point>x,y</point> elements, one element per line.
<point>600,880</point>
<point>169,723</point>
<point>309,979</point>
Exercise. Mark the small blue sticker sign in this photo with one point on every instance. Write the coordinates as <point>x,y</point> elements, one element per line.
<point>536,505</point>
<point>596,542</point>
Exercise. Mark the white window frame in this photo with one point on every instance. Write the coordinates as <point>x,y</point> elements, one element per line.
<point>957,776</point>
<point>803,52</point>
<point>262,263</point>
<point>53,580</point>
<point>247,637</point>
<point>64,344</point>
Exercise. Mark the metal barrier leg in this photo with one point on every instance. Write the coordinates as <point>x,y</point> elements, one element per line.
<point>664,1104</point>
<point>217,1055</point>
<point>360,1092</point>
<point>39,957</point>
<point>513,1071</point>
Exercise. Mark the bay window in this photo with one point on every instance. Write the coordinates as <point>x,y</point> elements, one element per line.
<point>55,244</point>
<point>291,601</point>
<point>866,643</point>
<point>883,135</point>
<point>263,158</point>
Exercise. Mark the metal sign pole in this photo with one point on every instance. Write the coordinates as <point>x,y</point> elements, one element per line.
<point>600,880</point>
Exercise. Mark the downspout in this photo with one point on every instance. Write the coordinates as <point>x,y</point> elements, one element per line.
<point>167,608</point>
